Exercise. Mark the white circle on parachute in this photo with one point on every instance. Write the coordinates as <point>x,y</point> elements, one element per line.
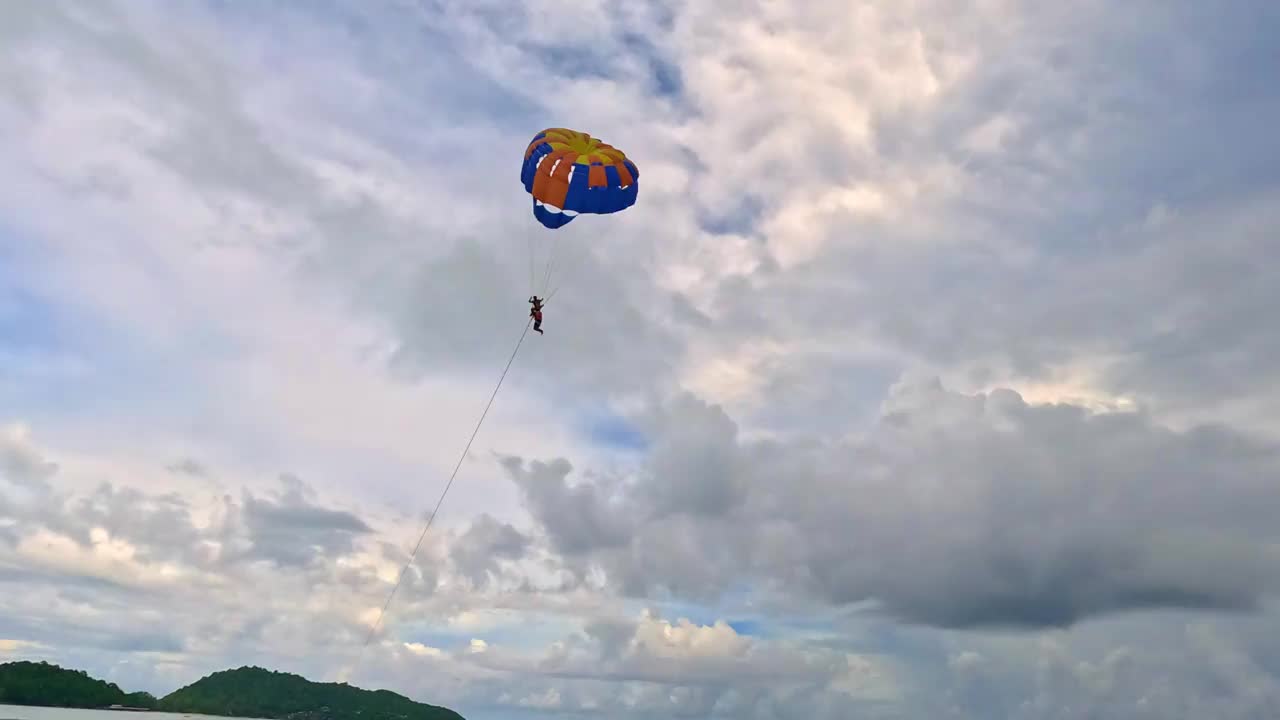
<point>555,209</point>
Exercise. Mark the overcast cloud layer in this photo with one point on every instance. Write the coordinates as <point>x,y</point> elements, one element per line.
<point>933,375</point>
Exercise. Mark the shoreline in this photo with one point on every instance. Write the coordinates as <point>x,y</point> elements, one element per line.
<point>120,709</point>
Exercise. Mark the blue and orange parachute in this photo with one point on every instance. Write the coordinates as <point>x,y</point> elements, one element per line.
<point>569,173</point>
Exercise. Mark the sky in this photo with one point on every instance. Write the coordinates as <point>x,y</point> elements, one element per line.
<point>934,374</point>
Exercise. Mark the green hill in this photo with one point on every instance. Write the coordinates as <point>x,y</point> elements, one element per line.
<point>248,692</point>
<point>252,692</point>
<point>29,683</point>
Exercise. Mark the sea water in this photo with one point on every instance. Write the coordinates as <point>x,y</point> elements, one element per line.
<point>22,712</point>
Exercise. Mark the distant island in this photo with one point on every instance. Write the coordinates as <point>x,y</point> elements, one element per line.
<point>28,683</point>
<point>247,692</point>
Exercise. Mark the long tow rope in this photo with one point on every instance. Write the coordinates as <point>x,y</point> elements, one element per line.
<point>373,630</point>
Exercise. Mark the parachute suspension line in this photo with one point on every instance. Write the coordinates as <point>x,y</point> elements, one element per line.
<point>564,276</point>
<point>431,518</point>
<point>551,262</point>
<point>533,283</point>
<point>559,284</point>
<point>546,271</point>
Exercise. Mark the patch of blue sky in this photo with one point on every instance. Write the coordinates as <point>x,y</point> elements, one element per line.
<point>608,57</point>
<point>27,322</point>
<point>735,607</point>
<point>42,344</point>
<point>613,432</point>
<point>874,634</point>
<point>747,623</point>
<point>749,627</point>
<point>586,60</point>
<point>665,79</point>
<point>694,613</point>
<point>741,218</point>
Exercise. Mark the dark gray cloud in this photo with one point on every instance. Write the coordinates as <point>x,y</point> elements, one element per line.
<point>694,441</point>
<point>188,466</point>
<point>60,610</point>
<point>291,530</point>
<point>476,554</point>
<point>160,526</point>
<point>1149,670</point>
<point>147,641</point>
<point>584,518</point>
<point>955,510</point>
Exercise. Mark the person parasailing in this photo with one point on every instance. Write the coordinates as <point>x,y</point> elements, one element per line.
<point>536,312</point>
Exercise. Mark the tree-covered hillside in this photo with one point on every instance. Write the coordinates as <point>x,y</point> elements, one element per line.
<point>30,683</point>
<point>252,692</point>
<point>248,692</point>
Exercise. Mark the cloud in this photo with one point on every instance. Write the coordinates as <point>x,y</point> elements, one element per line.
<point>484,545</point>
<point>24,480</point>
<point>585,519</point>
<point>1156,671</point>
<point>955,510</point>
<point>147,555</point>
<point>188,466</point>
<point>10,646</point>
<point>292,238</point>
<point>21,462</point>
<point>293,531</point>
<point>651,664</point>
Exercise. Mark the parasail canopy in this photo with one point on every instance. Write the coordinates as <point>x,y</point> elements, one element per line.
<point>569,173</point>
